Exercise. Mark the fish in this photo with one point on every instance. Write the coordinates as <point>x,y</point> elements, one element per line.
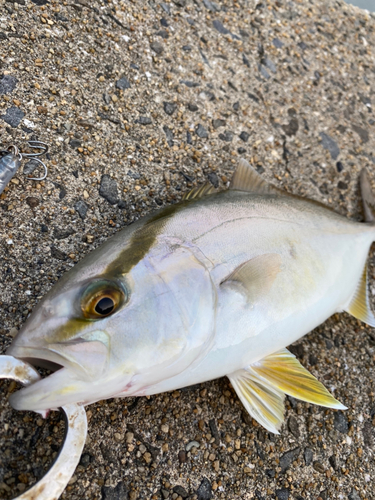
<point>216,285</point>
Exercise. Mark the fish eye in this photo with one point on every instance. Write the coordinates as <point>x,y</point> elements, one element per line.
<point>102,298</point>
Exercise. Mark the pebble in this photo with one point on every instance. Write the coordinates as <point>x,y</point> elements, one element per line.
<point>227,136</point>
<point>282,494</point>
<point>119,492</point>
<point>58,254</point>
<point>263,71</point>
<point>192,444</point>
<point>244,136</point>
<point>81,207</point>
<point>218,123</point>
<point>144,120</point>
<point>354,495</point>
<point>157,47</point>
<point>192,107</point>
<point>123,83</point>
<point>204,492</point>
<point>179,490</point>
<point>182,457</point>
<point>293,426</point>
<point>201,131</point>
<point>218,25</point>
<point>108,189</point>
<point>319,467</point>
<point>213,178</point>
<point>169,135</point>
<point>289,457</point>
<point>341,422</point>
<point>32,201</point>
<point>13,116</point>
<point>330,144</point>
<point>308,456</point>
<point>7,84</point>
<point>169,107</point>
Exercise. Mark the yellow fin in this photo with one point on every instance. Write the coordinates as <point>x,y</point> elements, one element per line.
<point>245,178</point>
<point>261,388</point>
<point>262,401</point>
<point>199,192</point>
<point>256,275</point>
<point>359,306</point>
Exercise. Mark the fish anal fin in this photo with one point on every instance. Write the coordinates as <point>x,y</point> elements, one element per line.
<point>245,178</point>
<point>359,306</point>
<point>256,275</point>
<point>199,192</point>
<point>263,402</point>
<point>262,387</point>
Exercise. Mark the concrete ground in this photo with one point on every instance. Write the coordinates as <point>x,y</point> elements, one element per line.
<point>140,101</point>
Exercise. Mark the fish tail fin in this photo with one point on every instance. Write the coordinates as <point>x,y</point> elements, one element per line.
<point>360,306</point>
<point>368,198</point>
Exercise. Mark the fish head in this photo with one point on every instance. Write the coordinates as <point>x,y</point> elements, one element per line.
<point>108,328</point>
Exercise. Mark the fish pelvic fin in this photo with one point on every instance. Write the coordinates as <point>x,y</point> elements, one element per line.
<point>359,306</point>
<point>245,178</point>
<point>368,198</point>
<point>262,386</point>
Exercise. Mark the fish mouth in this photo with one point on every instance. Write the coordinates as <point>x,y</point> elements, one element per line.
<point>39,357</point>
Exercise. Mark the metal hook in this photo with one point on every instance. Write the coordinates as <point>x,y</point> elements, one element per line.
<point>36,145</point>
<point>45,170</point>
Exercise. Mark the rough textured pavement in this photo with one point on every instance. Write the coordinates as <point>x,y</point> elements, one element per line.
<point>140,101</point>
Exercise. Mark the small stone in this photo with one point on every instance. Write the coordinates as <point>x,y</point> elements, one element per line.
<point>277,43</point>
<point>282,494</point>
<point>330,144</point>
<point>293,426</point>
<point>270,65</point>
<point>108,189</point>
<point>182,456</point>
<point>58,254</point>
<point>85,460</point>
<point>169,135</point>
<point>333,462</point>
<point>187,48</point>
<point>339,166</point>
<point>179,490</point>
<point>192,107</point>
<point>201,132</point>
<point>7,84</point>
<point>342,185</point>
<point>292,127</point>
<point>75,143</point>
<point>308,456</point>
<point>144,120</point>
<point>218,25</point>
<point>245,60</point>
<point>32,202</point>
<point>213,178</point>
<point>271,473</point>
<point>165,493</point>
<point>263,71</point>
<point>354,495</point>
<point>211,6</point>
<point>244,136</point>
<point>227,136</point>
<point>165,428</point>
<point>81,208</point>
<point>129,436</point>
<point>13,332</point>
<point>341,422</point>
<point>164,22</point>
<point>319,467</point>
<point>13,116</point>
<point>42,110</point>
<point>119,492</point>
<point>218,123</point>
<point>169,107</point>
<point>204,492</point>
<point>30,166</point>
<point>192,444</point>
<point>363,134</point>
<point>287,459</point>
<point>123,83</point>
<point>241,151</point>
<point>163,33</point>
<point>189,83</point>
<point>157,47</point>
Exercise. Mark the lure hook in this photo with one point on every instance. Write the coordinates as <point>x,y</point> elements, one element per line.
<point>45,170</point>
<point>36,145</point>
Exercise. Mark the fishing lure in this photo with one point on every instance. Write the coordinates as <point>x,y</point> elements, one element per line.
<point>11,158</point>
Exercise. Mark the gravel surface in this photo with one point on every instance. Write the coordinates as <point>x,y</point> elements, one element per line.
<point>139,102</point>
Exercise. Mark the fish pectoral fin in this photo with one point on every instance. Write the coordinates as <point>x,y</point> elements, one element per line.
<point>262,387</point>
<point>256,275</point>
<point>199,192</point>
<point>245,178</point>
<point>359,306</point>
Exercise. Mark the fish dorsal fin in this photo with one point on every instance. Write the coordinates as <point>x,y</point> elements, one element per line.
<point>245,178</point>
<point>256,276</point>
<point>199,191</point>
<point>368,198</point>
<point>262,386</point>
<point>359,306</point>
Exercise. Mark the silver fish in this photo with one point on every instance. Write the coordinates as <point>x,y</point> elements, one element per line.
<point>215,285</point>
